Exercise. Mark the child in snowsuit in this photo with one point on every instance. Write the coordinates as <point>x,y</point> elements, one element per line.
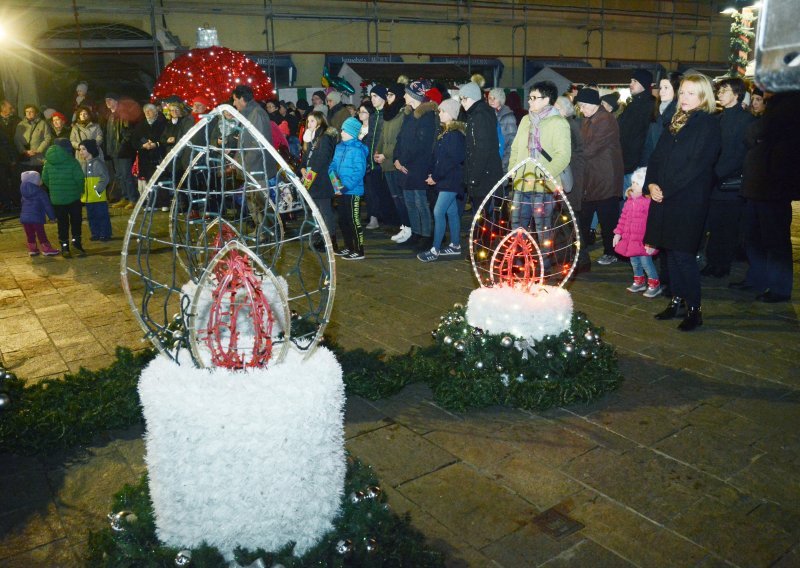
<point>94,190</point>
<point>63,176</point>
<point>347,176</point>
<point>36,207</point>
<point>629,236</point>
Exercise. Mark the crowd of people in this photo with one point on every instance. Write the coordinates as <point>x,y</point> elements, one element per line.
<point>682,170</point>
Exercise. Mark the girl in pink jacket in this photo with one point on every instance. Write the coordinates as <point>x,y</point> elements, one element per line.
<point>629,237</point>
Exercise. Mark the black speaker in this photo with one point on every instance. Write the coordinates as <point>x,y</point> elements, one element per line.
<point>778,45</point>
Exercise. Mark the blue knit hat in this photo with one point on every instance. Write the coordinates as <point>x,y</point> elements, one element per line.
<point>352,126</point>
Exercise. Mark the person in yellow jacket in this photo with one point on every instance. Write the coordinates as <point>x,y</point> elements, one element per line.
<point>94,191</point>
<point>544,135</point>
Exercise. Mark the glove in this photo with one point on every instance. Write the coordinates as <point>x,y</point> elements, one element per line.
<point>650,250</point>
<point>617,239</point>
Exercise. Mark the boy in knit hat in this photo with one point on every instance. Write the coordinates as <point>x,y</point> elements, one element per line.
<point>347,171</point>
<point>36,208</point>
<point>94,191</point>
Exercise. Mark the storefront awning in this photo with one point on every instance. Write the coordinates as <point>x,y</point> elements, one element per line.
<point>490,68</point>
<point>280,68</point>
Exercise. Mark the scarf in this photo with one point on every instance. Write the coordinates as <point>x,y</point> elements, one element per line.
<point>308,135</point>
<point>662,106</point>
<point>679,120</point>
<point>534,143</point>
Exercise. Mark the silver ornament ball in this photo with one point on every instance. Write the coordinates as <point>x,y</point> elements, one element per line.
<point>499,368</point>
<point>183,558</point>
<point>5,401</point>
<point>457,306</point>
<point>356,497</point>
<point>373,492</point>
<point>506,342</point>
<point>549,354</point>
<point>589,336</point>
<point>460,346</point>
<point>569,347</point>
<point>344,546</point>
<point>371,545</point>
<point>447,340</point>
<point>479,365</point>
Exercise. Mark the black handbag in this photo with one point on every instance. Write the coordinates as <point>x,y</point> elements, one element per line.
<point>730,185</point>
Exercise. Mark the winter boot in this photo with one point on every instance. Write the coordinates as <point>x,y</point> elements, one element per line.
<point>638,285</point>
<point>65,250</point>
<point>32,250</point>
<point>653,288</point>
<point>693,319</point>
<point>76,244</point>
<point>674,309</point>
<point>48,250</point>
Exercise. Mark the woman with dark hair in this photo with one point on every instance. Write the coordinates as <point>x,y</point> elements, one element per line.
<point>679,178</point>
<point>319,144</point>
<point>85,128</point>
<point>665,106</point>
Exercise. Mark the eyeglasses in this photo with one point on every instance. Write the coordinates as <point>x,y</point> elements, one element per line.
<point>533,98</point>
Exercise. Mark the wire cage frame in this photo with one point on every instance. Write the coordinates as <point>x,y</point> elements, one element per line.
<point>543,212</point>
<point>218,184</point>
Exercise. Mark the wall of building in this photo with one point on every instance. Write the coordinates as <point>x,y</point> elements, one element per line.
<point>668,32</point>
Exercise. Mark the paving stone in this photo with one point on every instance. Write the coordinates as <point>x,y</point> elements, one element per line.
<point>83,491</point>
<point>708,451</point>
<point>543,486</point>
<point>475,448</point>
<point>58,553</point>
<point>593,434</point>
<point>469,504</point>
<point>528,546</point>
<point>360,417</point>
<point>656,487</point>
<point>586,552</point>
<point>742,539</point>
<point>25,529</point>
<point>631,536</point>
<point>36,489</point>
<point>412,456</point>
<point>82,351</point>
<point>790,559</point>
<point>33,366</point>
<point>549,442</point>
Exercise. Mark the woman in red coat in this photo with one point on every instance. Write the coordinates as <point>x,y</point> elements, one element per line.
<point>679,178</point>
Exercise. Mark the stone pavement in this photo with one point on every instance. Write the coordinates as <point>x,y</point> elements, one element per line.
<point>694,461</point>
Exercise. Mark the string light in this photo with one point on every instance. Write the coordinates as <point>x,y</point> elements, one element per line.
<point>213,73</point>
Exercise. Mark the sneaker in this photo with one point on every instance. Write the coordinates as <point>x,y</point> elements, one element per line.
<point>120,204</point>
<point>428,255</point>
<point>165,209</point>
<point>636,288</point>
<point>373,223</point>
<point>404,234</point>
<point>607,259</point>
<point>33,253</point>
<point>354,256</point>
<point>652,292</point>
<point>342,252</point>
<point>49,251</point>
<point>451,250</point>
<point>399,233</point>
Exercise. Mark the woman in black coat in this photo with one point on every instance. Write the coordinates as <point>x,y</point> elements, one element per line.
<point>319,144</point>
<point>679,177</point>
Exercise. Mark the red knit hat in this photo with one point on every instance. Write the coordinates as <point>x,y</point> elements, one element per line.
<point>203,100</point>
<point>434,95</point>
<point>61,116</point>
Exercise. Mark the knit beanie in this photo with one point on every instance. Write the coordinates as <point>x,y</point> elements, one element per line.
<point>352,126</point>
<point>202,100</point>
<point>417,89</point>
<point>588,96</point>
<point>638,176</point>
<point>65,144</point>
<point>451,107</point>
<point>644,77</point>
<point>334,97</point>
<point>470,91</point>
<point>380,91</point>
<point>434,95</point>
<point>320,94</point>
<point>397,89</point>
<point>611,100</point>
<point>61,116</point>
<point>91,147</point>
<point>31,176</point>
<point>112,95</point>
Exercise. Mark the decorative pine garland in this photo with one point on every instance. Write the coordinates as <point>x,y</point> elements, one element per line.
<point>366,533</point>
<point>465,369</point>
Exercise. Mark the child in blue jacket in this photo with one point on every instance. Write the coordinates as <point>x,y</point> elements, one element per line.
<point>347,175</point>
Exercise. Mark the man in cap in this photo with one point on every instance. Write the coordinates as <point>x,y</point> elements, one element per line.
<point>337,111</point>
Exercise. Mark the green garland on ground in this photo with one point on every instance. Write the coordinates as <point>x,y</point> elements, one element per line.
<point>465,369</point>
<point>366,533</point>
<point>59,414</point>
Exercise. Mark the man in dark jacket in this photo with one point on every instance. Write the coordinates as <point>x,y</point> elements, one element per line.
<point>374,185</point>
<point>256,162</point>
<point>120,151</point>
<point>9,186</point>
<point>725,205</point>
<point>634,122</point>
<point>483,166</point>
